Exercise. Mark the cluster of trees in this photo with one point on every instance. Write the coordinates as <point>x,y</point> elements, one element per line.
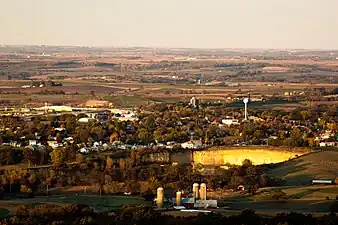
<point>162,123</point>
<point>10,155</point>
<point>117,174</point>
<point>82,214</point>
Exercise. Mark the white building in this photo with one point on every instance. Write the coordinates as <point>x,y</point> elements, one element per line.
<point>230,122</point>
<point>56,108</point>
<point>194,102</point>
<point>32,142</point>
<point>328,144</point>
<point>192,144</point>
<point>85,120</point>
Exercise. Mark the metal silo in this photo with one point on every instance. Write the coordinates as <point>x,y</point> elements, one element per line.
<point>178,198</point>
<point>195,190</point>
<point>160,197</point>
<point>203,191</point>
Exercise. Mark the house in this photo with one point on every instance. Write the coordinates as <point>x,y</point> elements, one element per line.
<point>84,150</point>
<point>243,187</point>
<point>60,129</point>
<point>97,103</point>
<point>32,142</point>
<point>255,119</point>
<point>69,139</point>
<point>52,143</point>
<point>328,144</point>
<point>85,120</point>
<point>230,122</point>
<point>15,144</point>
<point>192,144</point>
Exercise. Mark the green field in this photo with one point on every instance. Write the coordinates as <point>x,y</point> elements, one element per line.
<point>97,203</point>
<point>302,170</point>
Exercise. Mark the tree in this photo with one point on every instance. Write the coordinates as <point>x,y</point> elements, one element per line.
<point>58,156</point>
<point>32,157</point>
<point>59,137</point>
<point>296,137</point>
<point>143,136</point>
<point>113,137</point>
<point>109,163</point>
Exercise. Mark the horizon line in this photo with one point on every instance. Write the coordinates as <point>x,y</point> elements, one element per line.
<point>163,47</point>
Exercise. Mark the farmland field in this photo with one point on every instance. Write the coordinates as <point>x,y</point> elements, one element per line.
<point>317,165</point>
<point>97,203</point>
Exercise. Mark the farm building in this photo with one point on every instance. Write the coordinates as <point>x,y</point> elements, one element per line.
<point>193,144</point>
<point>97,103</point>
<point>56,108</point>
<point>324,182</point>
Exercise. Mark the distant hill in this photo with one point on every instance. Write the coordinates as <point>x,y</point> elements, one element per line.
<point>302,170</point>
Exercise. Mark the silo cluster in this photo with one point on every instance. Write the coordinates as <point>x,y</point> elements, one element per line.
<point>199,192</point>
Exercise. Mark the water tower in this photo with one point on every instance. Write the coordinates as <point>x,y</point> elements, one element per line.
<point>245,101</point>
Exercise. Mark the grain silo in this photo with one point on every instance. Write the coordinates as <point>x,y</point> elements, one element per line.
<point>195,190</point>
<point>178,198</point>
<point>203,191</point>
<point>160,197</point>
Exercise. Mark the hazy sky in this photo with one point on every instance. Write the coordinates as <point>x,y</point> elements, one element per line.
<point>171,23</point>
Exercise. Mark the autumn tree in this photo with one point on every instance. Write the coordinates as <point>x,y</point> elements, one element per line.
<point>58,156</point>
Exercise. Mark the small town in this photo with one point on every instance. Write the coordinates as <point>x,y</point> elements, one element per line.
<point>168,112</point>
<point>186,125</point>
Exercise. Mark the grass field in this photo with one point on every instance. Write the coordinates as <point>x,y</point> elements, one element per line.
<point>97,203</point>
<point>300,171</point>
<point>304,199</point>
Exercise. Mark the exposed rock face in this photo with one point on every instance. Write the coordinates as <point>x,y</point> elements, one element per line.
<point>236,157</point>
<point>183,157</point>
<point>159,157</point>
<point>218,157</point>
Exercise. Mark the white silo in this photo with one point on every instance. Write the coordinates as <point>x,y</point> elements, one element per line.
<point>178,198</point>
<point>160,197</point>
<point>203,191</point>
<point>195,190</point>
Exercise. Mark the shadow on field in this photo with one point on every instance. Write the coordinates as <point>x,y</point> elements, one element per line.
<point>304,193</point>
<point>302,170</point>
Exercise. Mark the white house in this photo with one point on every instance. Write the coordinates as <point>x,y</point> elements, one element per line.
<point>53,143</point>
<point>85,120</point>
<point>230,122</point>
<point>32,142</point>
<point>328,144</point>
<point>192,144</point>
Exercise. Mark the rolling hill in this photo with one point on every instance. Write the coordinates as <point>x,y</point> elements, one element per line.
<point>302,170</point>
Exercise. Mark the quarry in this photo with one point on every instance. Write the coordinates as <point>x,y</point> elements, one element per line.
<point>219,156</point>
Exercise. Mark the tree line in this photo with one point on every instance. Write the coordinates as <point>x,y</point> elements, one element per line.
<point>129,215</point>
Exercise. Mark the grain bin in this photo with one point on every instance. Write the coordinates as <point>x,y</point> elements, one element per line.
<point>160,197</point>
<point>203,191</point>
